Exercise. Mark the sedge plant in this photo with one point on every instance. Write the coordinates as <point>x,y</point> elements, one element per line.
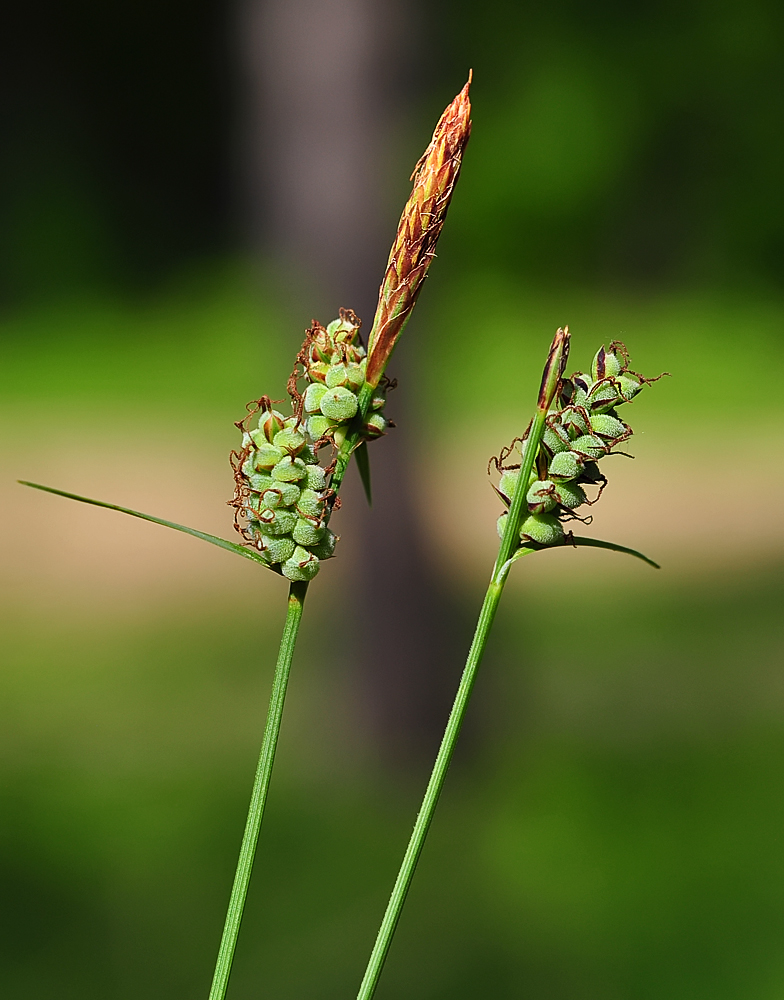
<point>284,493</point>
<point>543,476</point>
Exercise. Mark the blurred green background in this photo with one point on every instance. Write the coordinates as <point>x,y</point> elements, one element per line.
<point>612,825</point>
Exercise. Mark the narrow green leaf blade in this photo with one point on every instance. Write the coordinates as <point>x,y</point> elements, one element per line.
<point>577,540</point>
<point>239,550</point>
<point>363,465</point>
<point>595,543</point>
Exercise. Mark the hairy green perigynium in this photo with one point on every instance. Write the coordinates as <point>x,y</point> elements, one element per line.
<point>536,506</point>
<point>577,434</point>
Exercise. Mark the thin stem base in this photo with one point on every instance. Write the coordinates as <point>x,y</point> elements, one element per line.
<point>239,889</point>
<point>430,800</point>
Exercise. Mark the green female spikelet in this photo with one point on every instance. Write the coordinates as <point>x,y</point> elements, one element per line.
<point>581,430</point>
<point>281,497</point>
<point>333,363</point>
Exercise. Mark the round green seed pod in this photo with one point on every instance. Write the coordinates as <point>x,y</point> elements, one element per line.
<point>267,456</point>
<point>280,494</point>
<point>270,499</point>
<point>555,438</point>
<point>278,522</point>
<point>316,478</point>
<point>500,524</point>
<point>307,532</point>
<point>310,504</point>
<point>509,479</point>
<point>375,425</point>
<point>342,329</point>
<point>313,396</point>
<point>603,396</point>
<point>254,505</point>
<point>509,482</point>
<point>302,565</point>
<point>606,364</point>
<point>607,426</point>
<point>339,404</point>
<point>336,375</point>
<point>308,455</point>
<point>575,420</point>
<point>589,446</point>
<point>276,549</point>
<point>260,481</point>
<point>355,377</point>
<point>570,495</point>
<point>290,441</point>
<point>319,425</point>
<point>564,466</point>
<point>544,529</point>
<point>270,422</point>
<point>379,401</point>
<point>317,371</point>
<point>325,549</point>
<point>628,386</point>
<point>541,497</point>
<point>289,470</point>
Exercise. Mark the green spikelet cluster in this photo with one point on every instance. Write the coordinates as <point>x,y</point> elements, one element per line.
<point>282,497</point>
<point>333,363</point>
<point>576,437</point>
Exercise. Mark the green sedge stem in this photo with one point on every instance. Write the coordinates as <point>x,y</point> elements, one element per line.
<point>353,437</point>
<point>261,783</point>
<point>430,800</point>
<point>509,543</point>
<point>511,538</point>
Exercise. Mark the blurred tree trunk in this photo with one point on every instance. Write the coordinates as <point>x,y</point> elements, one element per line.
<point>324,82</point>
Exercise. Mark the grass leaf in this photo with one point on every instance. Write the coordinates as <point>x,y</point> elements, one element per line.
<point>596,543</point>
<point>239,550</point>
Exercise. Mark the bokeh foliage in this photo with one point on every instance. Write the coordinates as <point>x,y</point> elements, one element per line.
<point>611,826</point>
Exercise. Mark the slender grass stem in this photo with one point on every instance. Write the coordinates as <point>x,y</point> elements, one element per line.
<point>432,793</point>
<point>353,437</point>
<point>261,783</point>
<point>509,543</point>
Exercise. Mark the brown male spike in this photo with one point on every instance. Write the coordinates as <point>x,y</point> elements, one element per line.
<point>434,177</point>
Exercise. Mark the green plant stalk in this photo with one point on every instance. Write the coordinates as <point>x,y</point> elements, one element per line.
<point>509,543</point>
<point>239,890</point>
<point>353,437</point>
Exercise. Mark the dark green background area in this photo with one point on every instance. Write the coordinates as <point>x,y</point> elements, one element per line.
<point>611,828</point>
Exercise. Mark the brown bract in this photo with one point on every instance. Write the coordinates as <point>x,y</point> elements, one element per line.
<point>420,226</point>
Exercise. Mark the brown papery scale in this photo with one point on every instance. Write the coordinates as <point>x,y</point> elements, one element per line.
<point>420,226</point>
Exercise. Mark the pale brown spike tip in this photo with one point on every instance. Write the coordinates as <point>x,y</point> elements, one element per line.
<point>434,179</point>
